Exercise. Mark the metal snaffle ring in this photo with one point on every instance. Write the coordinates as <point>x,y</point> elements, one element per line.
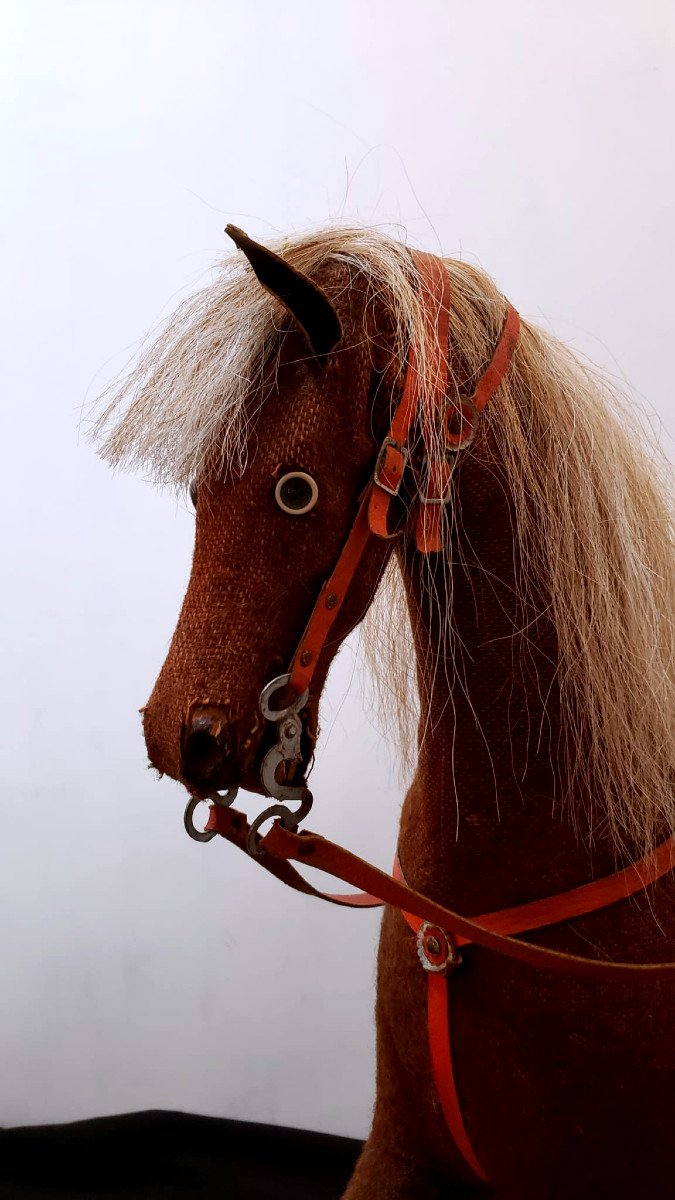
<point>224,799</point>
<point>289,820</point>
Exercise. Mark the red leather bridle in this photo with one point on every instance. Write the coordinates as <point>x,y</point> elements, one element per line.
<point>439,930</point>
<point>457,423</point>
<point>444,429</point>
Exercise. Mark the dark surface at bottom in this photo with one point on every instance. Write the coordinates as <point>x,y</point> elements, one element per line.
<point>164,1155</point>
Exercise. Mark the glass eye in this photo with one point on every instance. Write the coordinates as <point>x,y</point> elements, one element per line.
<point>296,493</point>
<point>193,493</point>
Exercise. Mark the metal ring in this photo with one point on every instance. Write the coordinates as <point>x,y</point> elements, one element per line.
<point>253,838</point>
<point>198,835</point>
<point>224,799</point>
<point>278,714</point>
<point>288,819</point>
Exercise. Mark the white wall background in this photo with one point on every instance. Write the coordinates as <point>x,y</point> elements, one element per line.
<point>138,968</point>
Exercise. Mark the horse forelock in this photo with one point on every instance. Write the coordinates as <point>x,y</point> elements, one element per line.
<point>192,393</point>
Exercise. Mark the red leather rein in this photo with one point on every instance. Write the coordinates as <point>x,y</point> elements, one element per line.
<point>438,929</point>
<point>281,847</point>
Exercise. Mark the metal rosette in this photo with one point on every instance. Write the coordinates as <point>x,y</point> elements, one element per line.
<point>435,950</point>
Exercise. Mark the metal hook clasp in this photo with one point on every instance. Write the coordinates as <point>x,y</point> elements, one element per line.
<point>288,749</point>
<point>287,752</point>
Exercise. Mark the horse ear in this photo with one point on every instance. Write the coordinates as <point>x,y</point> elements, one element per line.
<point>304,300</point>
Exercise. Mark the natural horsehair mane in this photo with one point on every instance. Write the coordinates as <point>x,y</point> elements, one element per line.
<point>590,490</point>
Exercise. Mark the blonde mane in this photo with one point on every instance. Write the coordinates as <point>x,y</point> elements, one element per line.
<point>590,489</point>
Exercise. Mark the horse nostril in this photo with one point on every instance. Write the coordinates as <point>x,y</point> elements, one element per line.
<point>206,746</point>
<point>203,752</point>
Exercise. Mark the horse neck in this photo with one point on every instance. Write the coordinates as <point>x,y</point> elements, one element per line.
<point>483,826</point>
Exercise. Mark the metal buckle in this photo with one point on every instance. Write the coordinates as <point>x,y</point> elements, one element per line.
<point>450,458</point>
<point>379,465</point>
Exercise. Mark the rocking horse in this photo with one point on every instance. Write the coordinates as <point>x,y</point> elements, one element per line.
<point>349,416</point>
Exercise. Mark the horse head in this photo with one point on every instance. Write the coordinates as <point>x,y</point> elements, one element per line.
<point>267,537</point>
<point>277,395</point>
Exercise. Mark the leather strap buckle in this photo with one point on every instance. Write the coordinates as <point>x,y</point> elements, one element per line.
<point>390,467</point>
<point>437,486</point>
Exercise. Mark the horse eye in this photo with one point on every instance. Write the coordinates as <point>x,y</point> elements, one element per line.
<point>296,493</point>
<point>193,493</point>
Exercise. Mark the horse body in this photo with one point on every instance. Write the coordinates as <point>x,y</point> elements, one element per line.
<point>566,1085</point>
